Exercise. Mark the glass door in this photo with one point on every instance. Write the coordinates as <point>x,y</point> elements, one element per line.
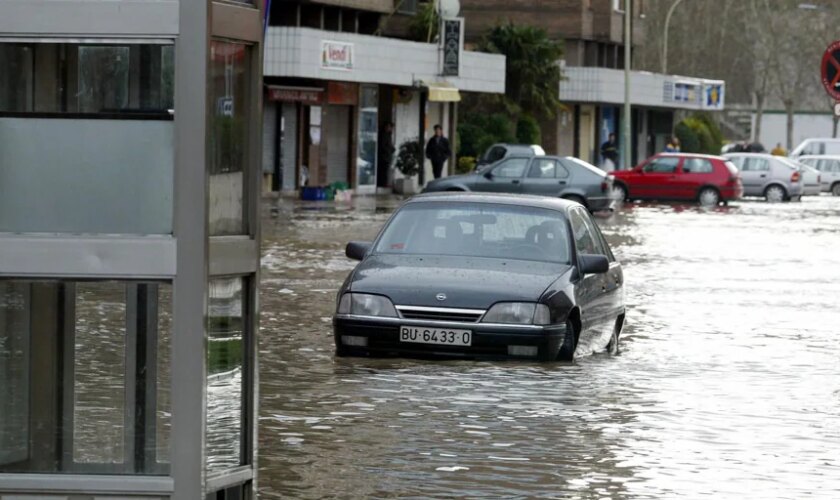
<point>368,134</point>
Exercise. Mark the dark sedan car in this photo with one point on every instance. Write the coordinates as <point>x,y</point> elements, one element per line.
<point>568,178</point>
<point>472,275</point>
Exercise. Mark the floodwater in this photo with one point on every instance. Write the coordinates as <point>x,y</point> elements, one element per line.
<point>727,386</point>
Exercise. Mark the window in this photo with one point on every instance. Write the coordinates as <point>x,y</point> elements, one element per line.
<point>666,165</point>
<point>226,336</point>
<point>407,6</point>
<point>752,164</point>
<point>229,74</point>
<point>92,79</point>
<point>542,169</point>
<point>496,153</point>
<point>697,166</point>
<point>477,230</point>
<point>80,376</point>
<point>513,168</point>
<point>586,241</point>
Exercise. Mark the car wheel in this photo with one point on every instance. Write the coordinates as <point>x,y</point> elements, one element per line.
<point>619,193</point>
<point>709,197</point>
<point>567,350</point>
<point>775,194</point>
<point>835,189</point>
<point>575,198</point>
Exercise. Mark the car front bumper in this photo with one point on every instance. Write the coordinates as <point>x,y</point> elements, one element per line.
<point>488,340</point>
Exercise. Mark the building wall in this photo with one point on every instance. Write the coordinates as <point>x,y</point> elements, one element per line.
<point>296,52</point>
<point>383,6</point>
<point>805,126</point>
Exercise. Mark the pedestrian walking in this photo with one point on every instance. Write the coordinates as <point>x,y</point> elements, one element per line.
<point>673,146</point>
<point>778,150</point>
<point>609,154</point>
<point>438,151</point>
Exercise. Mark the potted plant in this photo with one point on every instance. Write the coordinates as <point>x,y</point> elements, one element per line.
<point>409,162</point>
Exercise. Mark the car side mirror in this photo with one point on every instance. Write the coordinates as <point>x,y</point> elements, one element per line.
<point>357,250</point>
<point>488,175</point>
<point>594,264</point>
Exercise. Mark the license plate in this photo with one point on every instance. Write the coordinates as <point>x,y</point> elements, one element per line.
<point>440,336</point>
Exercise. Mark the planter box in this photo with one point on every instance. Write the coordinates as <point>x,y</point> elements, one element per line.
<point>406,185</point>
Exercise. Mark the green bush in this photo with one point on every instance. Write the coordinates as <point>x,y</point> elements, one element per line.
<point>689,143</point>
<point>528,130</point>
<point>477,132</point>
<point>713,128</point>
<point>705,138</point>
<point>466,164</point>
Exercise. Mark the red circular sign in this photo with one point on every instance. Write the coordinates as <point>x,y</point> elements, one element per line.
<point>830,70</point>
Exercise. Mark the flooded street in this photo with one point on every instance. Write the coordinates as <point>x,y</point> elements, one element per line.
<point>727,386</point>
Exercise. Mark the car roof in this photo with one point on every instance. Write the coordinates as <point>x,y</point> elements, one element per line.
<point>762,155</point>
<point>691,155</point>
<point>496,198</point>
<point>819,157</point>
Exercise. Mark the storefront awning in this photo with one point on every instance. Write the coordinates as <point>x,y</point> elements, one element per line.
<point>442,92</point>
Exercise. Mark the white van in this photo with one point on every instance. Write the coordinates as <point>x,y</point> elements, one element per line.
<point>817,147</point>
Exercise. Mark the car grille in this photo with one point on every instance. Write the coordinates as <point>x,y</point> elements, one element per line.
<point>440,314</point>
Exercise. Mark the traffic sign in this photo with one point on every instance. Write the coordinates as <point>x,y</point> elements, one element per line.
<point>830,70</point>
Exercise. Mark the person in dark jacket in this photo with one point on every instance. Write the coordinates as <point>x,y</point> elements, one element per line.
<point>609,154</point>
<point>438,151</point>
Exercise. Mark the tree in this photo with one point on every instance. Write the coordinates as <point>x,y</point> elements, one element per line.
<point>532,75</point>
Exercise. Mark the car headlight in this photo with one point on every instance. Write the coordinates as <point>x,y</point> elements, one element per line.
<point>518,313</point>
<point>364,304</point>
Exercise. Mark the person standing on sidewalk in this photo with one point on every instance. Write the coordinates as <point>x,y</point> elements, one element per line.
<point>778,150</point>
<point>438,151</point>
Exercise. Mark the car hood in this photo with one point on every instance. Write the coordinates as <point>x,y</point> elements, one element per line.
<point>468,282</point>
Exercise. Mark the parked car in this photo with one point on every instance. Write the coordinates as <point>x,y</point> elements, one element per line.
<point>568,178</point>
<point>771,177</point>
<point>482,275</point>
<point>810,147</point>
<point>680,176</point>
<point>811,178</point>
<point>829,169</point>
<point>501,151</point>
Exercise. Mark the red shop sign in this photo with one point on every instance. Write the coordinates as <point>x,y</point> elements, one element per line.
<point>295,94</point>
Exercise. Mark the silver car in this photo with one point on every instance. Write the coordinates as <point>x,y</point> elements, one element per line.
<point>568,178</point>
<point>767,176</point>
<point>829,169</point>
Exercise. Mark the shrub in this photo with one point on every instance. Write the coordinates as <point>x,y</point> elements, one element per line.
<point>466,164</point>
<point>688,138</point>
<point>409,158</point>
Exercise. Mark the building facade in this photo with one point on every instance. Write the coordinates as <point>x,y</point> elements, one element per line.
<point>336,72</point>
<point>592,89</point>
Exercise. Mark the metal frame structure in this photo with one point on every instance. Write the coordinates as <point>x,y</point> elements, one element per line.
<point>188,258</point>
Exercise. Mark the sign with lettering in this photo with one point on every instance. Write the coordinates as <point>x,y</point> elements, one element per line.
<point>336,55</point>
<point>452,41</point>
<point>294,94</point>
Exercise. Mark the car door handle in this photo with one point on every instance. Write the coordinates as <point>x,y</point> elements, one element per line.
<point>514,182</point>
<point>763,175</point>
<point>562,182</point>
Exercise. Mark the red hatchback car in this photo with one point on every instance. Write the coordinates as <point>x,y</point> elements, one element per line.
<point>681,176</point>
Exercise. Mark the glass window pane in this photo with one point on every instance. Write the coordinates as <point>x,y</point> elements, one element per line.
<point>103,79</point>
<point>230,72</point>
<point>225,357</point>
<point>14,373</point>
<point>75,384</point>
<point>368,132</point>
<point>512,168</point>
<point>16,78</point>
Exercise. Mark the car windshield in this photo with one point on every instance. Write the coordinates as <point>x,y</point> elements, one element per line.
<point>477,230</point>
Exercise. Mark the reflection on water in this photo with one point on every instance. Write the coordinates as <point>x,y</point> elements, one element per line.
<point>728,384</point>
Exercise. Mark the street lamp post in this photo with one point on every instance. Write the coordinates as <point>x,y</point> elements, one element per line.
<point>665,35</point>
<point>625,147</point>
